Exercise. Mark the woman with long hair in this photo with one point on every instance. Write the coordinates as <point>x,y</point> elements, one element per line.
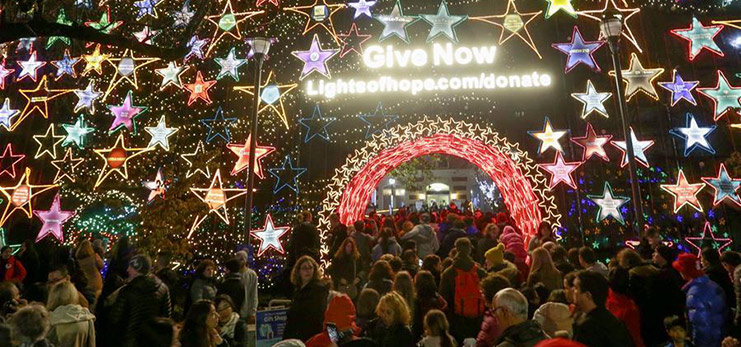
<point>381,277</point>
<point>346,269</point>
<point>403,285</point>
<point>204,285</point>
<point>386,245</point>
<point>545,234</point>
<point>427,299</point>
<point>366,307</point>
<point>71,324</point>
<point>199,328</point>
<point>542,270</point>
<point>392,326</point>
<point>90,265</point>
<point>309,300</point>
<point>232,327</point>
<point>437,331</point>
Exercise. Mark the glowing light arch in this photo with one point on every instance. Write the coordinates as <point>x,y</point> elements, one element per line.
<point>524,188</point>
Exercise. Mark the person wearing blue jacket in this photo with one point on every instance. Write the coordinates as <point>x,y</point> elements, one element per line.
<point>706,303</point>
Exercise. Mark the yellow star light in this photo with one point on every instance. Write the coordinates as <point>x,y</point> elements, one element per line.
<point>548,137</point>
<point>637,79</point>
<point>560,5</point>
<point>195,156</point>
<point>116,159</point>
<point>513,23</point>
<point>19,196</point>
<point>66,166</point>
<point>126,67</point>
<point>216,199</point>
<point>319,15</point>
<point>271,96</point>
<point>627,13</point>
<point>228,23</point>
<point>55,140</point>
<point>734,23</point>
<point>94,62</point>
<point>37,100</point>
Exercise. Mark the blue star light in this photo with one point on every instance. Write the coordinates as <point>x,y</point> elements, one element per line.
<point>86,4</point>
<point>6,114</point>
<point>694,135</point>
<point>725,186</point>
<point>377,122</point>
<point>218,121</point>
<point>87,97</point>
<point>287,171</point>
<point>362,7</point>
<point>680,89</point>
<point>66,66</point>
<point>579,51</point>
<point>196,48</point>
<point>146,8</point>
<point>316,125</point>
<point>183,16</point>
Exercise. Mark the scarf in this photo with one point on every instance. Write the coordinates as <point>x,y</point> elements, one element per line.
<point>227,330</point>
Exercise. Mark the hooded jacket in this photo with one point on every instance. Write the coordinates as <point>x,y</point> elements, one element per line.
<point>426,239</point>
<point>71,326</point>
<point>525,334</point>
<point>706,311</point>
<point>514,242</point>
<point>137,303</point>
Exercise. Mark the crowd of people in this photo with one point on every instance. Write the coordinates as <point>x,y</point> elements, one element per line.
<point>411,279</point>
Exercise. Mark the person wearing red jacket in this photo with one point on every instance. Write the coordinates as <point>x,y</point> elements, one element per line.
<point>622,306</point>
<point>11,268</point>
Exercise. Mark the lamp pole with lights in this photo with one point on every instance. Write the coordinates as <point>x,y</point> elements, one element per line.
<point>612,28</point>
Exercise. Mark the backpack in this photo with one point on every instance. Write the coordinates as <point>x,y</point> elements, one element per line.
<point>469,302</point>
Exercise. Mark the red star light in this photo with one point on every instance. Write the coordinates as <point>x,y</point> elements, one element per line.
<point>684,193</point>
<point>561,171</point>
<point>199,89</point>
<point>592,144</point>
<point>9,160</point>
<point>243,154</point>
<point>718,242</point>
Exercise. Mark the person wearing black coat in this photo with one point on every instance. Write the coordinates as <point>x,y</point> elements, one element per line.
<point>306,314</point>
<point>714,269</point>
<point>304,240</point>
<point>232,284</point>
<point>453,234</point>
<point>597,326</point>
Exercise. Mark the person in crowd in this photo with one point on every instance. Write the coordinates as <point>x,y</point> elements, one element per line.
<point>706,306</point>
<point>138,302</point>
<point>731,261</point>
<point>427,299</point>
<point>11,269</point>
<point>672,299</point>
<point>549,246</point>
<point>511,310</point>
<point>29,257</point>
<point>490,329</point>
<point>544,234</point>
<point>643,288</point>
<point>10,299</point>
<point>677,332</point>
<point>558,254</point>
<point>489,239</point>
<point>340,314</point>
<point>71,324</point>
<point>232,284</point>
<point>433,264</point>
<point>424,235</point>
<point>622,306</point>
<point>204,285</point>
<point>650,240</point>
<point>410,262</point>
<point>572,255</point>
<point>543,271</point>
<point>555,319</point>
<point>248,309</point>
<point>558,295</point>
<point>366,307</point>
<point>346,269</point>
<point>391,328</point>
<point>496,264</point>
<point>60,273</point>
<point>381,277</point>
<point>453,234</point>
<point>337,233</point>
<point>304,240</point>
<point>436,330</point>
<point>29,326</point>
<point>386,245</point>
<point>90,264</point>
<point>597,326</point>
<point>514,242</point>
<point>309,300</point>
<point>716,272</point>
<point>161,332</point>
<point>589,262</point>
<point>403,286</point>
<point>200,328</point>
<point>363,241</point>
<point>232,328</point>
<point>459,286</point>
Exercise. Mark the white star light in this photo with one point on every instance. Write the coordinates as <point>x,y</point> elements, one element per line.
<point>362,7</point>
<point>443,23</point>
<point>183,16</point>
<point>694,135</point>
<point>156,187</point>
<point>160,134</point>
<point>30,67</point>
<point>87,97</point>
<point>6,113</point>
<point>395,23</point>
<point>269,236</point>
<point>548,137</point>
<point>639,148</point>
<point>171,75</point>
<point>593,101</point>
<point>229,65</point>
<point>609,205</point>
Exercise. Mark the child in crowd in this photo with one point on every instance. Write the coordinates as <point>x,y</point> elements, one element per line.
<point>436,331</point>
<point>677,332</point>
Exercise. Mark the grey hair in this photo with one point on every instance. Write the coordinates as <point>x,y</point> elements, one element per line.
<point>513,301</point>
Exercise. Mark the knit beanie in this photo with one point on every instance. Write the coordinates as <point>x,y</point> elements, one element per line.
<point>495,255</point>
<point>559,342</point>
<point>141,263</point>
<point>340,311</point>
<point>688,265</point>
<point>667,253</point>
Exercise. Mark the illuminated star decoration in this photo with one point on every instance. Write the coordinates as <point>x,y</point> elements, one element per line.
<point>25,43</point>
<point>146,8</point>
<point>315,59</point>
<point>218,121</point>
<point>593,101</point>
<point>160,134</point>
<point>627,14</point>
<point>158,187</point>
<point>639,79</point>
<point>513,23</point>
<point>229,65</point>
<point>269,236</point>
<point>227,23</point>
<point>30,67</point>
<point>87,4</point>
<point>548,137</point>
<point>609,204</point>
<point>172,75</point>
<point>66,167</point>
<point>684,193</point>
<point>94,62</point>
<point>694,135</point>
<point>352,41</point>
<point>126,70</point>
<point>271,96</point>
<point>76,132</point>
<point>395,23</point>
<point>592,144</point>
<point>362,7</point>
<point>318,16</point>
<point>700,37</point>
<point>199,89</point>
<point>50,139</point>
<point>274,2</point>
<point>63,20</point>
<point>53,220</point>
<point>86,98</point>
<point>183,16</point>
<point>316,125</point>
<point>680,89</point>
<point>377,122</point>
<point>725,186</point>
<point>9,160</point>
<point>559,5</point>
<point>196,48</point>
<point>561,171</point>
<point>125,115</point>
<point>37,99</point>
<point>104,25</point>
<point>725,97</point>
<point>443,23</point>
<point>197,155</point>
<point>19,197</point>
<point>147,35</point>
<point>243,156</point>
<point>719,243</point>
<point>579,51</point>
<point>216,199</point>
<point>639,148</point>
<point>116,159</point>
<point>286,176</point>
<point>7,114</point>
<point>65,66</point>
<point>4,73</point>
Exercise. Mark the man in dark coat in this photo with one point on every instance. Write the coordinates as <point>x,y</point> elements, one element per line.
<point>461,327</point>
<point>304,240</point>
<point>598,327</point>
<point>232,284</point>
<point>337,233</point>
<point>510,310</point>
<point>451,236</point>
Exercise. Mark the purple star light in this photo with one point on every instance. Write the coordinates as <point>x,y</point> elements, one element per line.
<point>579,51</point>
<point>680,89</point>
<point>315,59</point>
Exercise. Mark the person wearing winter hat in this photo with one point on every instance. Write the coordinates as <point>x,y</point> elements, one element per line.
<point>495,263</point>
<point>706,303</point>
<point>672,298</point>
<point>559,342</point>
<point>554,317</point>
<point>340,316</point>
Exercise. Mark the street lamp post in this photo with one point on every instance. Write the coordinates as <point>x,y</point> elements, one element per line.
<point>612,26</point>
<point>259,49</point>
<point>393,193</point>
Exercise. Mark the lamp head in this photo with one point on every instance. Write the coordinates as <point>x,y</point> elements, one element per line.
<point>612,24</point>
<point>259,46</point>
